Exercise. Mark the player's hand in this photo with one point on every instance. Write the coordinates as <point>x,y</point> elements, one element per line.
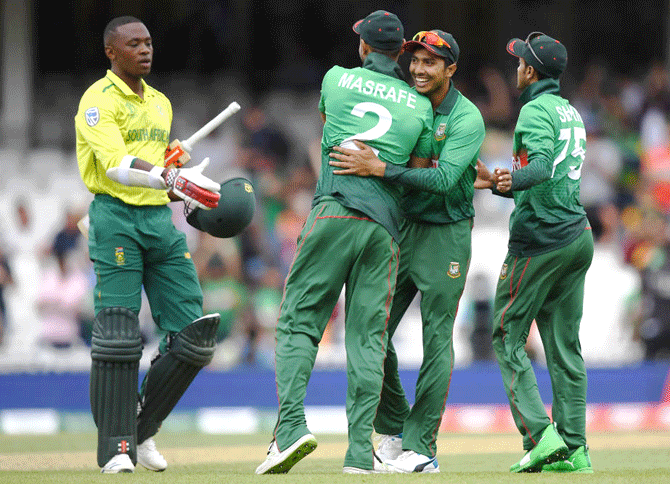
<point>502,179</point>
<point>484,177</point>
<point>193,187</point>
<point>361,162</point>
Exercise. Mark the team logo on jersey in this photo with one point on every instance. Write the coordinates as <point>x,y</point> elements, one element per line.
<point>120,256</point>
<point>503,272</point>
<point>131,109</point>
<point>454,270</point>
<point>187,255</point>
<point>440,132</point>
<point>92,116</point>
<point>248,188</point>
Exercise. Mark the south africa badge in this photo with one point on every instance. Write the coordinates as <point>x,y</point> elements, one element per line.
<point>440,132</point>
<point>503,272</point>
<point>92,116</point>
<point>454,270</point>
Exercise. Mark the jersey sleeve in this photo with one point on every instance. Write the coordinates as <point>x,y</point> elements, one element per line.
<point>96,121</point>
<point>322,99</point>
<point>424,145</point>
<point>464,140</point>
<point>536,130</point>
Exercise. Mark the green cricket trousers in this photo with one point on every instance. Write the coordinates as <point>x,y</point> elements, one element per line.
<point>135,246</point>
<point>337,247</point>
<point>547,288</point>
<point>434,261</point>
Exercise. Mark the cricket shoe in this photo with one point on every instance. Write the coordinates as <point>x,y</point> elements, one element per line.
<point>118,463</point>
<point>390,447</point>
<point>548,449</point>
<point>410,461</point>
<point>578,461</point>
<point>281,462</point>
<point>149,457</point>
<point>378,467</point>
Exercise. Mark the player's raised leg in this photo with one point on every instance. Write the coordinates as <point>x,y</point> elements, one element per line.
<point>168,378</point>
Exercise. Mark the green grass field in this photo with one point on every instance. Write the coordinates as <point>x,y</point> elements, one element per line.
<point>641,458</point>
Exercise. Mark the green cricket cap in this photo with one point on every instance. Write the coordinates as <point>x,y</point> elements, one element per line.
<point>438,42</point>
<point>382,30</point>
<point>547,55</point>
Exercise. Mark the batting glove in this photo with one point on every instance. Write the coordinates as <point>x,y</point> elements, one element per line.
<point>193,187</point>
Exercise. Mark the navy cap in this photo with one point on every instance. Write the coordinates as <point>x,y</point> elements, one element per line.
<point>381,30</point>
<point>545,54</point>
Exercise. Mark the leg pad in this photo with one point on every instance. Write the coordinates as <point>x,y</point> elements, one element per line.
<point>116,350</point>
<point>172,373</point>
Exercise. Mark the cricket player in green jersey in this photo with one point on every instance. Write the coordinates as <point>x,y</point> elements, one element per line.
<point>434,250</point>
<point>123,129</point>
<point>349,239</point>
<point>550,250</point>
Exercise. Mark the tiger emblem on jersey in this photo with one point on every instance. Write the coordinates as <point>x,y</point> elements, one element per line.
<point>503,272</point>
<point>440,132</point>
<point>454,270</point>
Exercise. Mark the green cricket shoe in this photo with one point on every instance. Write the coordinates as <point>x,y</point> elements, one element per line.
<point>548,449</point>
<point>578,461</point>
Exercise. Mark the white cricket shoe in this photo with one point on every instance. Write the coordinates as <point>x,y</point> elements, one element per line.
<point>149,457</point>
<point>281,462</point>
<point>118,463</point>
<point>409,461</point>
<point>390,447</point>
<point>378,467</point>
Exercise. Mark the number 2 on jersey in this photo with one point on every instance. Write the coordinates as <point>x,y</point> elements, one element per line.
<point>566,134</point>
<point>377,131</point>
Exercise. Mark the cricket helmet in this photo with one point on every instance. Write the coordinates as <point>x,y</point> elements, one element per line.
<point>233,213</point>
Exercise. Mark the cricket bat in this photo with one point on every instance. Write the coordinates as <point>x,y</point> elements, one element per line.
<point>177,153</point>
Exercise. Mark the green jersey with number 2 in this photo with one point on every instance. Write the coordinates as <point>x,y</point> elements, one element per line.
<point>548,215</point>
<point>375,105</point>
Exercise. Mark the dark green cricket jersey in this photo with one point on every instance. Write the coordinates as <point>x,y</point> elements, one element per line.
<point>458,134</point>
<point>375,105</point>
<point>549,132</point>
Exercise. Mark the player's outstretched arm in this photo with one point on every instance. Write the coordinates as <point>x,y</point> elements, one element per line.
<point>188,184</point>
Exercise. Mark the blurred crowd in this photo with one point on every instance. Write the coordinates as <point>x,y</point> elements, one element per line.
<point>275,143</point>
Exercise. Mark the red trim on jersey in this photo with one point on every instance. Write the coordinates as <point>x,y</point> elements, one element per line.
<point>344,217</point>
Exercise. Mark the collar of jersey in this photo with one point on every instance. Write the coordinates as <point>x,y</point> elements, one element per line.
<point>118,82</point>
<point>449,100</point>
<point>384,65</point>
<point>536,89</point>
